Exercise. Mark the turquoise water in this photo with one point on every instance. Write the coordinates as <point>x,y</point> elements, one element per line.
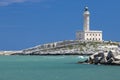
<point>53,68</point>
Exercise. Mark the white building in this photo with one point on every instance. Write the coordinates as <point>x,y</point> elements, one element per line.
<point>87,34</point>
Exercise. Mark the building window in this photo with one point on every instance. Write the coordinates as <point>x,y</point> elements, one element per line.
<point>96,34</point>
<point>99,34</point>
<point>96,39</point>
<point>99,38</point>
<point>93,39</point>
<point>93,34</point>
<point>90,34</point>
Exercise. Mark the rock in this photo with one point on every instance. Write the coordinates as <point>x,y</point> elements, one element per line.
<point>103,61</point>
<point>110,60</point>
<point>96,60</point>
<point>110,55</point>
<point>117,57</point>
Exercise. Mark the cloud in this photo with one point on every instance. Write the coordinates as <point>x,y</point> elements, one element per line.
<point>8,2</point>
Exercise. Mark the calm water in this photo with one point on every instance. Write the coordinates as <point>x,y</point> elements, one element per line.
<point>53,68</point>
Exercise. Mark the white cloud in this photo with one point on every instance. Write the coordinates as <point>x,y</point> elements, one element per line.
<point>8,2</point>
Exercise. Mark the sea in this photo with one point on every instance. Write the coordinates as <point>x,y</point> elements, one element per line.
<point>54,68</point>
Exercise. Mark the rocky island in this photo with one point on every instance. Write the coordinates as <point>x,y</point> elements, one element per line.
<point>68,47</point>
<point>103,52</point>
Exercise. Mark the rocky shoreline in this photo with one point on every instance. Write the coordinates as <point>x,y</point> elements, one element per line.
<point>57,54</point>
<point>104,58</point>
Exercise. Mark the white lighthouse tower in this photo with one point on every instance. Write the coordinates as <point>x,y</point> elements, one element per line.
<point>86,15</point>
<point>87,34</point>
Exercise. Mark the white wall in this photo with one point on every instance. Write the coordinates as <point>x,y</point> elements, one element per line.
<point>89,35</point>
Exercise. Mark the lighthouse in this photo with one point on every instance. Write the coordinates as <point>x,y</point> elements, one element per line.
<point>86,15</point>
<point>87,34</point>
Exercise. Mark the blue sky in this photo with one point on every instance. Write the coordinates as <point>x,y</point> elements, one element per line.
<point>26,23</point>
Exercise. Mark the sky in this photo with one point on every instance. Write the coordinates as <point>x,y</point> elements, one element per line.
<point>27,23</point>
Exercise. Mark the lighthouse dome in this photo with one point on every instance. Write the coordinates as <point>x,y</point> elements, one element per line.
<point>86,11</point>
